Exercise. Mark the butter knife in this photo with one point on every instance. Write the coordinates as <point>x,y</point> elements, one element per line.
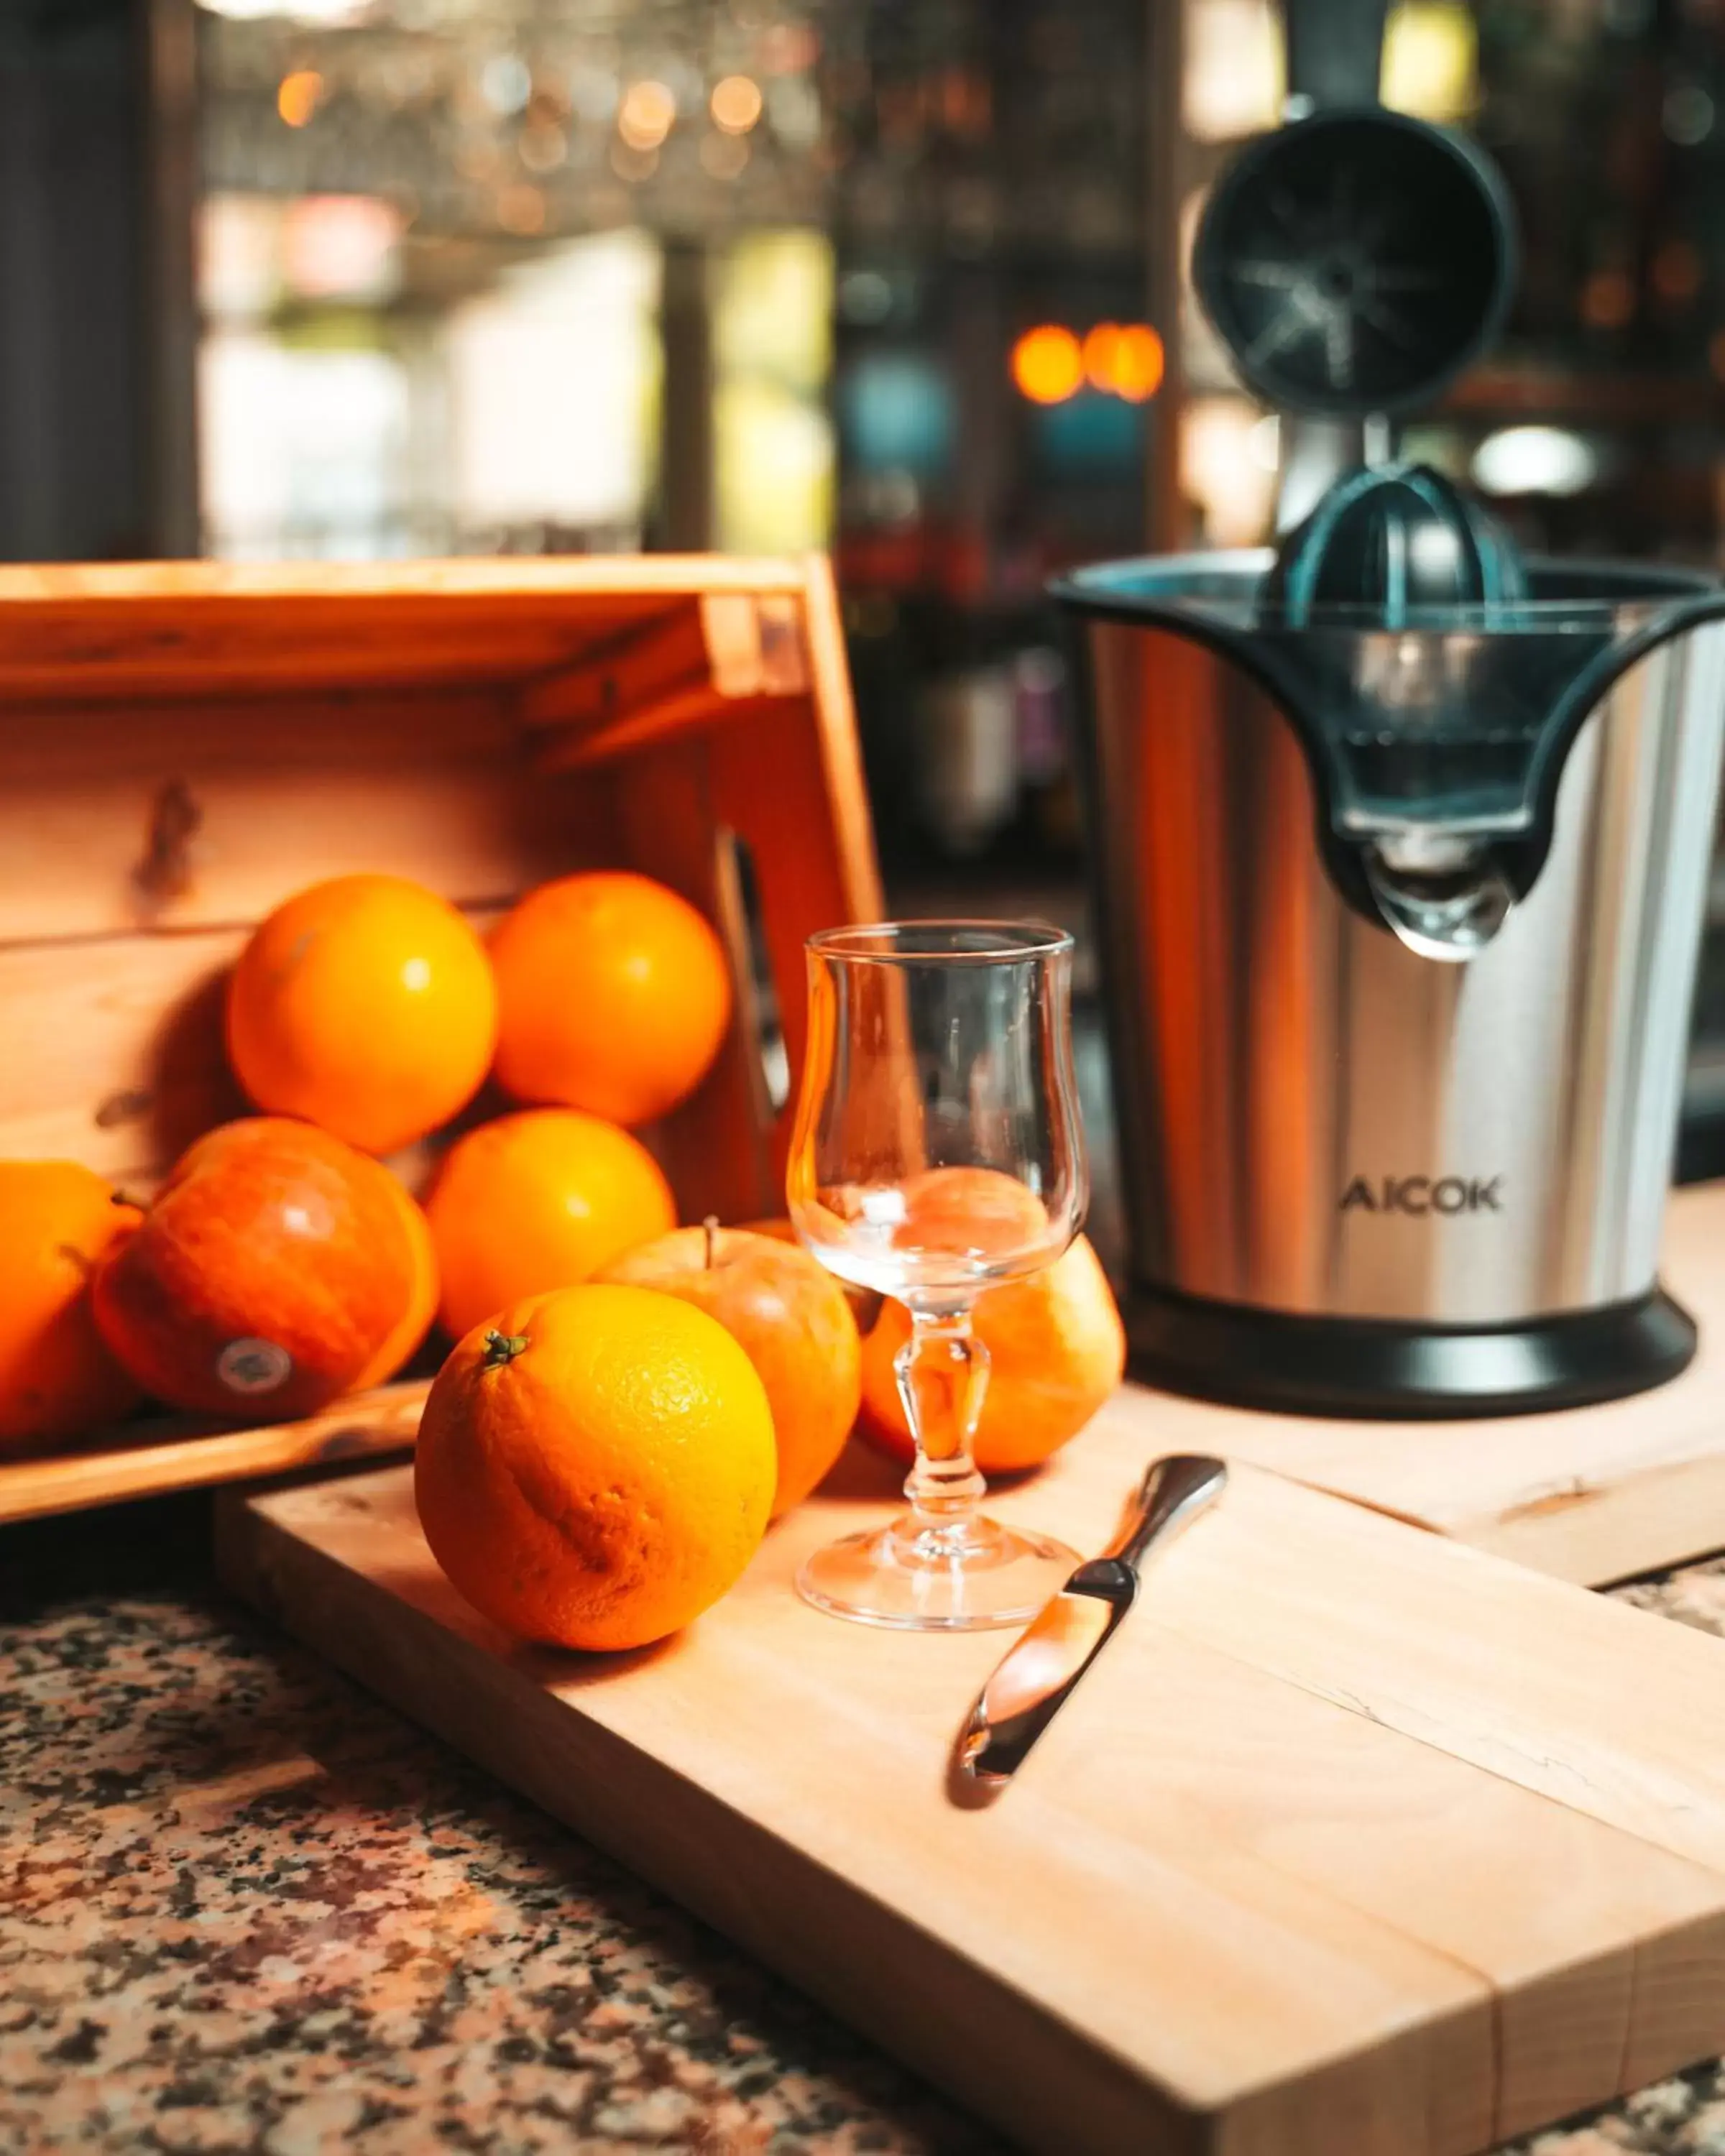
<point>1037,1677</point>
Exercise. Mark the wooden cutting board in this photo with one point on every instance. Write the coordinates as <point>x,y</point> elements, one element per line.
<point>1356,1842</point>
<point>1592,1494</point>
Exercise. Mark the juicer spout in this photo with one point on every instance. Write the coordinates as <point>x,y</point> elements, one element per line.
<point>1444,901</point>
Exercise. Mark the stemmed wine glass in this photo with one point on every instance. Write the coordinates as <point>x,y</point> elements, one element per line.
<point>937,1151</point>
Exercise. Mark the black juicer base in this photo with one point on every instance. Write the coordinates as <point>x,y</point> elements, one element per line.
<point>1385,1371</point>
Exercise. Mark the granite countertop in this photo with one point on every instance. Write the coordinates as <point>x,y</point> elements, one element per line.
<point>245,1908</point>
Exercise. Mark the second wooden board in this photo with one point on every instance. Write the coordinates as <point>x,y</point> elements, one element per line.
<point>1592,1494</point>
<point>1355,1839</point>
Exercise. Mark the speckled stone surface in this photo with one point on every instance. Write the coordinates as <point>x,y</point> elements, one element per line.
<point>245,1908</point>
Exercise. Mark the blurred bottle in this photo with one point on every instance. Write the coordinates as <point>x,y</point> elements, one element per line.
<point>968,758</point>
<point>1048,799</point>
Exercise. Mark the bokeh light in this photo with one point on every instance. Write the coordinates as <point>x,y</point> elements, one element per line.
<point>1127,360</point>
<point>1535,460</point>
<point>646,114</point>
<point>1431,59</point>
<point>1677,272</point>
<point>736,104</point>
<point>299,95</point>
<point>521,209</point>
<point>341,246</point>
<point>1608,300</point>
<point>1048,364</point>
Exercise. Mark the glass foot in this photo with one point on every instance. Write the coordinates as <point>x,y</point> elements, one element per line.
<point>959,1579</point>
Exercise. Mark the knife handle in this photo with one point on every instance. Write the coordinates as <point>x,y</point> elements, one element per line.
<point>1173,1492</point>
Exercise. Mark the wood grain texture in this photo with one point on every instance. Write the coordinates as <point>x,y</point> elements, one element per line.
<point>114,1054</point>
<point>1335,1849</point>
<point>196,816</point>
<point>646,662</point>
<point>1591,1495</point>
<point>676,713</point>
<point>157,1453</point>
<point>725,643</point>
<point>846,789</point>
<point>191,629</point>
<point>120,1060</point>
<point>642,580</point>
<point>719,1149</point>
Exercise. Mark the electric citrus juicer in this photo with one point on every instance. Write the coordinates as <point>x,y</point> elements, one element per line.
<point>1400,845</point>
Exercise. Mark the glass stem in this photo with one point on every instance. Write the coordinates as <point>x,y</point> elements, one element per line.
<point>943,1373</point>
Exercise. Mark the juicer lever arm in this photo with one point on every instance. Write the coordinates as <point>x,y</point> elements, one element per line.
<point>1335,51</point>
<point>1335,57</point>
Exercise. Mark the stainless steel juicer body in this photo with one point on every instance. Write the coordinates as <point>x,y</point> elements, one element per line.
<point>1360,1177</point>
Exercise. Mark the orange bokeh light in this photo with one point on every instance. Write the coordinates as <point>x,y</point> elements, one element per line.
<point>1127,360</point>
<point>1677,274</point>
<point>734,104</point>
<point>1099,348</point>
<point>1048,365</point>
<point>645,117</point>
<point>299,96</point>
<point>521,209</point>
<point>1608,300</point>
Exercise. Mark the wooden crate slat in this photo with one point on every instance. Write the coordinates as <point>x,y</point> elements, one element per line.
<point>124,1061</point>
<point>716,1150</point>
<point>716,655</point>
<point>195,629</point>
<point>155,1454</point>
<point>262,800</point>
<point>570,749</point>
<point>116,1054</point>
<point>795,886</point>
<point>603,584</point>
<point>845,792</point>
<point>644,665</point>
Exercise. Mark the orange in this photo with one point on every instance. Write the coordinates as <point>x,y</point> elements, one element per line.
<point>979,1211</point>
<point>365,1004</point>
<point>1057,1350</point>
<point>595,1468</point>
<point>415,1320</point>
<point>793,1319</point>
<point>614,996</point>
<point>539,1200</point>
<point>56,1220</point>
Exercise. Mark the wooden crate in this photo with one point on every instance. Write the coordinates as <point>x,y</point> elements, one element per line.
<point>182,745</point>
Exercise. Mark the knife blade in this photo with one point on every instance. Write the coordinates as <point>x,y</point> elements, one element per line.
<point>1041,1669</point>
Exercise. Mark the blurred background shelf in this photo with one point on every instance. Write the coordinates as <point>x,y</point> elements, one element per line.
<point>361,278</point>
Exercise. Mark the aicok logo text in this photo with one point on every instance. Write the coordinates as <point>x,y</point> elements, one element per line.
<point>1418,1193</point>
